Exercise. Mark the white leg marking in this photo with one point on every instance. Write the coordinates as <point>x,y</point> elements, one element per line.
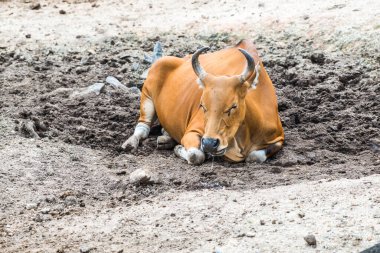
<point>192,156</point>
<point>257,156</point>
<point>141,132</point>
<point>149,110</point>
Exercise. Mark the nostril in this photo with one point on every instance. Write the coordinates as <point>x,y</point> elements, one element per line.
<point>216,143</point>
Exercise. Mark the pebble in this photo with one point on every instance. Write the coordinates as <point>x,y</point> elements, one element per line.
<point>262,222</point>
<point>80,70</point>
<point>28,36</point>
<point>62,12</point>
<point>45,210</point>
<point>311,240</point>
<point>96,88</point>
<point>140,177</point>
<point>301,215</point>
<point>35,6</point>
<point>85,249</point>
<point>70,201</point>
<point>317,58</point>
<point>116,83</point>
<point>30,206</point>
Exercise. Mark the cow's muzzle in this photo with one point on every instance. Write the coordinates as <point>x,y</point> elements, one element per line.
<point>210,145</point>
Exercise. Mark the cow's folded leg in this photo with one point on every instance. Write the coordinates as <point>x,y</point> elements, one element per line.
<point>165,141</point>
<point>262,154</point>
<point>190,150</point>
<point>192,155</point>
<point>142,129</point>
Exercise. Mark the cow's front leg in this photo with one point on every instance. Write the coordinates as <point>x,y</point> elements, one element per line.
<point>189,150</point>
<point>165,141</point>
<point>142,129</point>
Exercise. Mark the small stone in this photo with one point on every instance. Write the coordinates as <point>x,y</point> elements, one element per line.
<point>45,210</point>
<point>317,58</point>
<point>30,206</point>
<point>81,129</point>
<point>116,83</point>
<point>70,201</point>
<point>274,221</point>
<point>262,222</point>
<point>276,170</point>
<point>85,249</point>
<point>140,177</point>
<point>135,66</point>
<point>35,6</point>
<point>62,12</point>
<point>80,70</point>
<point>28,36</point>
<point>135,90</point>
<point>301,215</point>
<point>311,240</point>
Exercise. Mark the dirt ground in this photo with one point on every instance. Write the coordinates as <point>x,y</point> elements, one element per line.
<point>69,190</point>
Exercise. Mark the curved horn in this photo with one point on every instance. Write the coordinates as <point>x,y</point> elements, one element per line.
<point>250,65</point>
<point>199,71</point>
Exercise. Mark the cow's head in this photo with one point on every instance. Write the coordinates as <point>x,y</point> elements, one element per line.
<point>223,103</point>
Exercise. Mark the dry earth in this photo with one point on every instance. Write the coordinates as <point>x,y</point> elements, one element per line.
<point>69,190</point>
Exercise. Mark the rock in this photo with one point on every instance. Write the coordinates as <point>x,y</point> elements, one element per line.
<point>262,222</point>
<point>42,218</point>
<point>80,70</point>
<point>140,177</point>
<point>116,83</point>
<point>301,215</point>
<point>28,36</point>
<point>62,12</point>
<point>276,170</point>
<point>30,206</point>
<point>135,66</point>
<point>81,129</point>
<point>85,249</point>
<point>317,58</point>
<point>35,6</point>
<point>70,201</point>
<point>135,90</point>
<point>95,88</point>
<point>45,210</point>
<point>144,75</point>
<point>311,240</point>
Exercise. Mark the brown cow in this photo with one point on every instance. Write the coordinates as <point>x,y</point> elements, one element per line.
<point>212,106</point>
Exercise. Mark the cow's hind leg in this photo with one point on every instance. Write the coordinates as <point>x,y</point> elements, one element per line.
<point>189,150</point>
<point>142,129</point>
<point>263,154</point>
<point>165,141</point>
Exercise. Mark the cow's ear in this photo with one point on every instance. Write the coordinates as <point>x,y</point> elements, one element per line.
<point>253,80</point>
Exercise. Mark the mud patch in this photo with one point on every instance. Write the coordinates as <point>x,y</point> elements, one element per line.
<point>327,104</point>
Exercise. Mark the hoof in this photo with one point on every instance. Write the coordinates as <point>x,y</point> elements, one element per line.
<point>165,142</point>
<point>195,156</point>
<point>131,144</point>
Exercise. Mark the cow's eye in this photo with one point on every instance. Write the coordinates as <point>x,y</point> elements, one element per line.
<point>203,107</point>
<point>234,106</point>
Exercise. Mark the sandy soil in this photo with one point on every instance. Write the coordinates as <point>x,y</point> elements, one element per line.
<point>69,190</point>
